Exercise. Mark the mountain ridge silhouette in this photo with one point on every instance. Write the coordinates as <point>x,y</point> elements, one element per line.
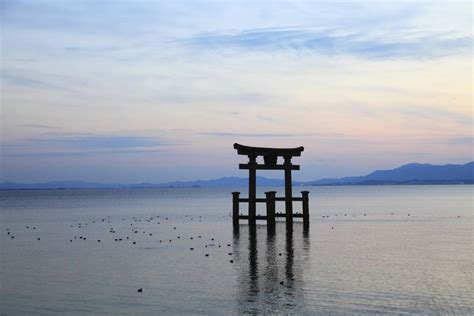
<point>411,173</point>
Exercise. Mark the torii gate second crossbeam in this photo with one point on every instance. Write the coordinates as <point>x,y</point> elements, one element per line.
<point>270,157</point>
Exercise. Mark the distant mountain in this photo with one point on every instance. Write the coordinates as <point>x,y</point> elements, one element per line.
<point>413,173</point>
<point>224,182</point>
<point>221,182</point>
<point>57,185</point>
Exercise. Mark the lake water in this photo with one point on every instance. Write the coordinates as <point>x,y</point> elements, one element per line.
<point>368,250</point>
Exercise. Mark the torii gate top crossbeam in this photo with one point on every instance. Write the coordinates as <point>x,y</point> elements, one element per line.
<point>264,151</point>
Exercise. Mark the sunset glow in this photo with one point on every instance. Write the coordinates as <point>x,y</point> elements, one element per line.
<point>113,91</point>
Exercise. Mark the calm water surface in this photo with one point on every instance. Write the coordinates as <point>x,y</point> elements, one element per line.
<point>368,250</point>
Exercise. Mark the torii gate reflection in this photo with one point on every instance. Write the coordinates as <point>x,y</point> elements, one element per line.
<point>270,157</point>
<point>271,279</point>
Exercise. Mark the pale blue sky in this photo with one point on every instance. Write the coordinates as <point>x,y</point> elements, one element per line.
<point>132,91</point>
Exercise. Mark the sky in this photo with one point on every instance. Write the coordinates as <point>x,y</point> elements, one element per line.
<point>156,91</point>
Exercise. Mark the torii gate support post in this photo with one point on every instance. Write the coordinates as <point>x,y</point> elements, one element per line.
<point>270,197</point>
<point>235,209</point>
<point>305,195</point>
<point>288,190</point>
<point>252,189</point>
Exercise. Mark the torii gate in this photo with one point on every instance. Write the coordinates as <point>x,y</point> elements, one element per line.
<point>270,157</point>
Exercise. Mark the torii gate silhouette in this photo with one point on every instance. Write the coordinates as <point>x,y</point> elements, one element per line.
<point>270,158</point>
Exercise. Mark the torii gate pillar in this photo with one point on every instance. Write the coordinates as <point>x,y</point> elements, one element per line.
<point>288,190</point>
<point>252,189</point>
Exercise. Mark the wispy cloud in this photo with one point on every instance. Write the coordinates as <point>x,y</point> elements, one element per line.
<point>257,135</point>
<point>433,113</point>
<point>64,144</point>
<point>18,79</point>
<point>52,154</point>
<point>212,97</point>
<point>39,126</point>
<point>100,49</point>
<point>97,141</point>
<point>436,113</point>
<point>332,42</point>
<point>466,140</point>
<point>88,141</point>
<point>24,81</point>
